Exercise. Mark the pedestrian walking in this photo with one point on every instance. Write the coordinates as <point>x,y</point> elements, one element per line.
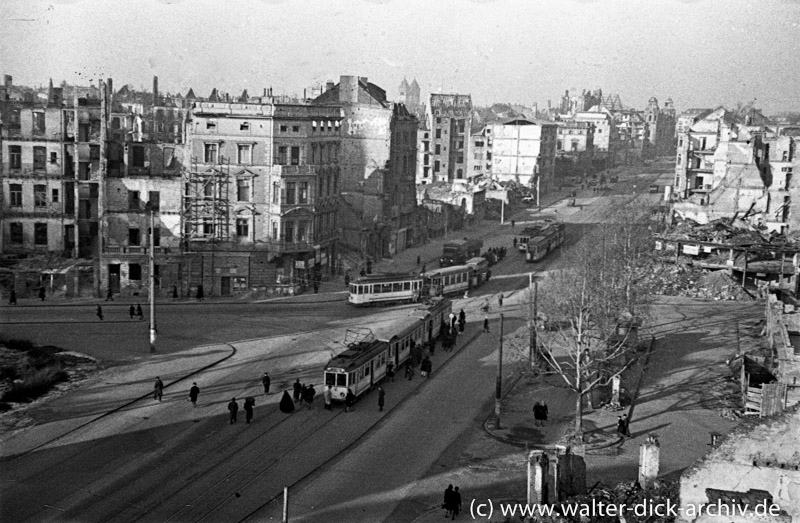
<point>200,294</point>
<point>193,393</point>
<point>418,260</point>
<point>233,409</point>
<point>349,401</point>
<point>485,323</point>
<point>316,286</point>
<point>626,426</point>
<point>456,502</point>
<point>308,396</point>
<point>139,311</point>
<point>539,414</point>
<point>390,370</point>
<point>327,396</point>
<point>514,242</point>
<point>620,426</point>
<point>425,367</point>
<point>381,398</point>
<point>174,292</point>
<point>100,312</point>
<point>297,389</point>
<point>409,372</point>
<point>513,223</point>
<point>347,279</point>
<point>462,320</point>
<point>249,403</point>
<point>109,296</point>
<point>286,405</point>
<point>447,502</point>
<point>41,293</point>
<point>132,311</point>
<point>12,298</point>
<point>158,389</point>
<point>266,381</point>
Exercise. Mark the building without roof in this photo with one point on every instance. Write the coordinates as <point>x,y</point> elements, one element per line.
<point>523,152</point>
<point>450,120</point>
<point>378,169</point>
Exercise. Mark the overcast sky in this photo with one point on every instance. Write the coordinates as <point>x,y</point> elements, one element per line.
<point>701,53</point>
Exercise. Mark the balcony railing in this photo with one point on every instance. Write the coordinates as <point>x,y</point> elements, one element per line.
<point>134,250</point>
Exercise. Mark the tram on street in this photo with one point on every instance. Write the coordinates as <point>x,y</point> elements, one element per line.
<point>448,280</point>
<point>546,242</point>
<point>385,288</point>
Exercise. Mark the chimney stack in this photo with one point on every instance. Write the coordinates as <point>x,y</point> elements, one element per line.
<point>155,90</point>
<point>329,85</point>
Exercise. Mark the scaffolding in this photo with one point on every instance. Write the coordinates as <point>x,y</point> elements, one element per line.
<point>206,203</point>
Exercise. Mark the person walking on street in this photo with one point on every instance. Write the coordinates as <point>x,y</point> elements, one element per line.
<point>100,312</point>
<point>418,260</point>
<point>513,223</point>
<point>41,293</point>
<point>12,298</point>
<point>425,367</point>
<point>174,292</point>
<point>462,320</point>
<point>409,372</point>
<point>485,322</point>
<point>308,396</point>
<point>349,401</point>
<point>139,311</point>
<point>500,299</point>
<point>158,389</point>
<point>109,295</point>
<point>625,428</point>
<point>347,279</point>
<point>447,502</point>
<point>297,389</point>
<point>233,409</point>
<point>193,393</point>
<point>381,398</point>
<point>620,426</point>
<point>286,405</point>
<point>456,502</point>
<point>132,311</point>
<point>200,294</point>
<point>514,242</point>
<point>390,370</point>
<point>265,381</point>
<point>544,413</point>
<point>249,403</point>
<point>326,396</point>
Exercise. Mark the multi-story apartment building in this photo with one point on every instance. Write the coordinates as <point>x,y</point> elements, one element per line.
<point>524,151</point>
<point>480,152</point>
<point>574,149</point>
<point>53,149</point>
<point>605,133</point>
<point>450,120</point>
<point>729,162</point>
<point>260,194</point>
<point>377,162</point>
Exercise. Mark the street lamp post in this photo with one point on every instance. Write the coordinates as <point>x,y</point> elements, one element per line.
<point>151,211</point>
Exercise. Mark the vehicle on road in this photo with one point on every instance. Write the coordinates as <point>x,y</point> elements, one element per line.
<point>385,288</point>
<point>365,362</point>
<point>548,239</point>
<point>448,280</point>
<point>457,252</point>
<point>529,232</point>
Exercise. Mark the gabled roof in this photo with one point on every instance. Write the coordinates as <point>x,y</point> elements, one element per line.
<point>214,96</point>
<point>190,95</point>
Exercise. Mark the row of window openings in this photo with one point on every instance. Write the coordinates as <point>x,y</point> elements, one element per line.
<point>286,155</point>
<point>39,233</point>
<point>293,232</point>
<point>331,126</point>
<point>40,156</point>
<point>39,195</point>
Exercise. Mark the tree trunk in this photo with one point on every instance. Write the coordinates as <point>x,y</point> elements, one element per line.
<point>579,416</point>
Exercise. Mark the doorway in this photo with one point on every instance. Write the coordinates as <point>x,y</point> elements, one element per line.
<point>225,286</point>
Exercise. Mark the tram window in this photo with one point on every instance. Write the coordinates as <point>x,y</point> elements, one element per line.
<point>330,378</point>
<point>366,371</point>
<point>397,287</point>
<point>341,380</point>
<point>407,286</point>
<point>350,376</point>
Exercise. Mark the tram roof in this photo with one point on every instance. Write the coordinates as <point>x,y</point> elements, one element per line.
<point>356,355</point>
<point>448,270</point>
<point>397,328</point>
<point>385,278</point>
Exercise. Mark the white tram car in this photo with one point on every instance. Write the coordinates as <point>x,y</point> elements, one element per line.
<point>364,364</point>
<point>448,280</point>
<point>385,288</point>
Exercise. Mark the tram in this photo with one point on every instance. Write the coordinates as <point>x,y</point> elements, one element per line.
<point>385,288</point>
<point>547,241</point>
<point>364,364</point>
<point>448,280</point>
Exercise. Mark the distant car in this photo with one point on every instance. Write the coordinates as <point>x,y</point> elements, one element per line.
<point>655,188</point>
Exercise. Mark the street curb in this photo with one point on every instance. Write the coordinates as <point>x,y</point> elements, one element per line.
<point>127,404</point>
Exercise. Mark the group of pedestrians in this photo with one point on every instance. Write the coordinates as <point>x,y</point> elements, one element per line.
<point>233,409</point>
<point>452,502</point>
<point>304,393</point>
<point>622,426</point>
<point>540,414</point>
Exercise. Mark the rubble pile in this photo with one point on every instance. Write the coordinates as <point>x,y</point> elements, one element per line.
<point>683,280</point>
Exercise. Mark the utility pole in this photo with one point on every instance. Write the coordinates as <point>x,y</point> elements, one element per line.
<point>498,391</point>
<point>285,518</point>
<point>151,210</point>
<point>533,290</point>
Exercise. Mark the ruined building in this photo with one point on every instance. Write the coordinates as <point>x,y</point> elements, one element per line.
<point>450,120</point>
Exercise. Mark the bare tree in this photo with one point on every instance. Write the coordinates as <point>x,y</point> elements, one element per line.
<point>592,308</point>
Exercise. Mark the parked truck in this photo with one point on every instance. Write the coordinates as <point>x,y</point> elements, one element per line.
<point>457,252</point>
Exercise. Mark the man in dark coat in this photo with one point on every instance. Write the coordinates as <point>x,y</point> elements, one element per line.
<point>462,320</point>
<point>381,398</point>
<point>174,292</point>
<point>158,389</point>
<point>308,396</point>
<point>349,401</point>
<point>266,381</point>
<point>297,389</point>
<point>233,408</point>
<point>100,312</point>
<point>425,367</point>
<point>139,311</point>
<point>447,502</point>
<point>12,299</point>
<point>193,393</point>
<point>249,403</point>
<point>41,293</point>
<point>286,404</point>
<point>132,311</point>
<point>456,502</point>
<point>200,294</point>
